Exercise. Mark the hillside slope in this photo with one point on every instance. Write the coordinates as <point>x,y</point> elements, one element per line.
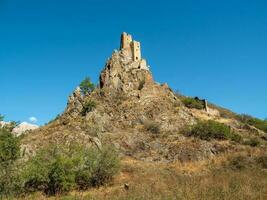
<point>142,118</point>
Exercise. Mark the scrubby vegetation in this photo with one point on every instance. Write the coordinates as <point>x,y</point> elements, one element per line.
<point>55,169</point>
<point>86,86</point>
<point>207,130</point>
<point>88,106</point>
<point>1,117</point>
<point>225,113</point>
<point>60,169</point>
<point>9,153</point>
<point>152,127</point>
<point>161,182</point>
<point>192,103</point>
<point>9,147</point>
<point>244,118</point>
<point>258,123</point>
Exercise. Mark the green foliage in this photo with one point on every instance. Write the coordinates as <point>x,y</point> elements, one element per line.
<point>152,127</point>
<point>57,170</point>
<point>9,153</point>
<point>86,86</point>
<point>99,167</point>
<point>88,107</point>
<point>10,126</point>
<point>192,103</point>
<point>2,117</point>
<point>9,147</point>
<point>207,130</point>
<point>51,171</point>
<point>258,123</point>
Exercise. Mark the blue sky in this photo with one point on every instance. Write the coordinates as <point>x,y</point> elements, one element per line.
<point>212,49</point>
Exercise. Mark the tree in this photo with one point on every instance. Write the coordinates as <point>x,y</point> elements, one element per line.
<point>2,117</point>
<point>9,153</point>
<point>9,147</point>
<point>86,86</point>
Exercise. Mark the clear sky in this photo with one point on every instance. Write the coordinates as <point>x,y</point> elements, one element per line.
<point>212,49</point>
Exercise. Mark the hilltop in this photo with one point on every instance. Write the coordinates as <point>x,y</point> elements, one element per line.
<point>141,117</point>
<point>150,125</point>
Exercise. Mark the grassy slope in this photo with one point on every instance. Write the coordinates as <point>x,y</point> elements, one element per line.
<point>218,178</point>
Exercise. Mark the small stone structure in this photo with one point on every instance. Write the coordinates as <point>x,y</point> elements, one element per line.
<point>126,69</point>
<point>131,47</point>
<point>204,102</point>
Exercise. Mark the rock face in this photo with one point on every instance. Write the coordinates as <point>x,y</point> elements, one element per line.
<point>126,71</point>
<point>23,127</point>
<point>142,118</point>
<point>75,103</point>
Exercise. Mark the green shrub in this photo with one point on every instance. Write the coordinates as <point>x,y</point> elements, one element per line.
<point>258,123</point>
<point>207,130</point>
<point>152,127</point>
<point>86,86</point>
<point>99,167</point>
<point>192,103</point>
<point>9,153</point>
<point>56,170</point>
<point>51,171</point>
<point>9,147</point>
<point>2,117</point>
<point>88,107</point>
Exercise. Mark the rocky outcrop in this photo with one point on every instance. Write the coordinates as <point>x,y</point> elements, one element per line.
<point>128,107</point>
<point>75,103</point>
<point>123,75</point>
<point>23,127</point>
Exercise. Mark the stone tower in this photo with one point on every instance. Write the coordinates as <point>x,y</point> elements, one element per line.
<point>131,47</point>
<point>126,40</point>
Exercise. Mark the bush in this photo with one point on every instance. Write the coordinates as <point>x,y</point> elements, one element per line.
<point>50,171</point>
<point>207,130</point>
<point>258,123</point>
<point>9,147</point>
<point>9,153</point>
<point>86,86</point>
<point>99,167</point>
<point>88,107</point>
<point>152,127</point>
<point>59,169</point>
<point>192,103</point>
<point>2,117</point>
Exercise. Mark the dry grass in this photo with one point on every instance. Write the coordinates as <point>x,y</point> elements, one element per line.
<point>207,180</point>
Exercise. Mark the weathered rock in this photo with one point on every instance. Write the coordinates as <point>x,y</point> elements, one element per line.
<point>23,127</point>
<point>128,103</point>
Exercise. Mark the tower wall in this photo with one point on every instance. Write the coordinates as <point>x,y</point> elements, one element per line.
<point>126,40</point>
<point>136,50</point>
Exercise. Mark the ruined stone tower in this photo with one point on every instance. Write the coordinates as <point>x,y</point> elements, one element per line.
<point>130,47</point>
<point>126,70</point>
